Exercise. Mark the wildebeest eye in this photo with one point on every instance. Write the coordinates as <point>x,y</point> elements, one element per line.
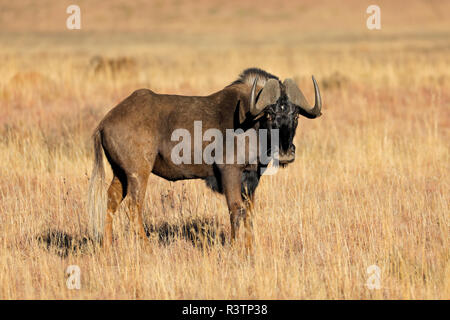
<point>269,117</point>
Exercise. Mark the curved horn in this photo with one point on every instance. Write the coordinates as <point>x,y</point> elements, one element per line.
<point>296,96</point>
<point>269,95</point>
<point>253,96</point>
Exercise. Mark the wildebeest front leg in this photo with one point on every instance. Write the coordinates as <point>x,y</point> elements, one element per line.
<point>248,223</point>
<point>231,180</point>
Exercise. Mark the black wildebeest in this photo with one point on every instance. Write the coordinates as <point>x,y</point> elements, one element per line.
<point>136,139</point>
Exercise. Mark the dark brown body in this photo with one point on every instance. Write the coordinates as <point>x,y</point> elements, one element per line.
<point>136,139</point>
<point>140,128</point>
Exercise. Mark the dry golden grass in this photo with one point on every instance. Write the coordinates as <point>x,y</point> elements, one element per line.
<point>370,184</point>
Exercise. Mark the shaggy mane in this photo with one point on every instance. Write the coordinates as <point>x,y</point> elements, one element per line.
<point>248,77</point>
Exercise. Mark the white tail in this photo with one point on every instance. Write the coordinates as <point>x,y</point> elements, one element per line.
<point>97,193</point>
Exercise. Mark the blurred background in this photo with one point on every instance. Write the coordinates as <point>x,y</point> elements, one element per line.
<point>370,184</point>
<point>197,47</point>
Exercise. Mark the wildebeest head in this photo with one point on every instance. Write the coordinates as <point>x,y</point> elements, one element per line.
<point>277,106</point>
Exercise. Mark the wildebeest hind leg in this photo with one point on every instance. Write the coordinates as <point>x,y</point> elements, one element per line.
<point>116,193</point>
<point>137,185</point>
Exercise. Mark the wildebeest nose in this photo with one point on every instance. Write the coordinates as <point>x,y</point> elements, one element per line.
<point>288,156</point>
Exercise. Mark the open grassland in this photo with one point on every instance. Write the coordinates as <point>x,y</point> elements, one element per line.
<point>370,184</point>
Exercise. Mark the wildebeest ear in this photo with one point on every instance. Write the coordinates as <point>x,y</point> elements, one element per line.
<point>269,95</point>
